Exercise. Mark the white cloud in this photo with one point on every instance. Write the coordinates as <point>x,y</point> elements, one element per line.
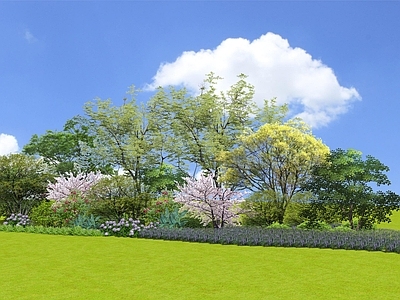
<point>273,67</point>
<point>8,144</point>
<point>29,37</point>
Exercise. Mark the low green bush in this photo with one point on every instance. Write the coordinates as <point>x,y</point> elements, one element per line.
<point>278,225</point>
<point>52,230</point>
<point>317,225</point>
<point>43,215</point>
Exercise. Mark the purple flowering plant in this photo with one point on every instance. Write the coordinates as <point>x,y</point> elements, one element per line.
<point>17,220</point>
<point>124,227</point>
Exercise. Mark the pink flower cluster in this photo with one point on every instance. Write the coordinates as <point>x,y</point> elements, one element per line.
<point>208,202</point>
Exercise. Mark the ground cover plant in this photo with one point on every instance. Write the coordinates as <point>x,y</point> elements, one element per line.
<point>36,266</point>
<point>373,240</point>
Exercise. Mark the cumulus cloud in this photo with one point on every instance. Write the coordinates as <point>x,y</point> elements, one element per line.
<point>275,69</point>
<point>8,144</point>
<point>29,37</point>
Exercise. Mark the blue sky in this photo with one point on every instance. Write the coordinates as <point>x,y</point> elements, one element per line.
<point>336,62</point>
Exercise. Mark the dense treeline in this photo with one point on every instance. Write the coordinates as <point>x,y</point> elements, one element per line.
<point>143,154</point>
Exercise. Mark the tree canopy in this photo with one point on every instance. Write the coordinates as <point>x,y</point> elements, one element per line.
<point>23,182</point>
<point>343,185</point>
<point>276,159</point>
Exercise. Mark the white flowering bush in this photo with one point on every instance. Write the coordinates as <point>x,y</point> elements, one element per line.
<point>209,203</point>
<point>124,228</point>
<point>17,220</point>
<point>69,193</point>
<point>65,185</point>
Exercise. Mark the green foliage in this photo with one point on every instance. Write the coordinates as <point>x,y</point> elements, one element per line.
<point>274,162</point>
<point>125,137</point>
<point>115,198</point>
<point>87,222</point>
<point>44,215</point>
<point>260,210</point>
<point>272,113</point>
<point>68,209</point>
<point>157,207</point>
<point>172,219</point>
<point>278,225</point>
<point>52,230</point>
<point>163,178</point>
<point>318,225</point>
<point>194,222</point>
<point>23,181</point>
<point>198,128</point>
<point>62,149</point>
<point>343,185</point>
<point>293,215</point>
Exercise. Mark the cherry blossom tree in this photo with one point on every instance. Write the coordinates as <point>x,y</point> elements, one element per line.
<point>209,203</point>
<point>64,185</point>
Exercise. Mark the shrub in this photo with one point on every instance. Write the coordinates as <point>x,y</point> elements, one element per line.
<point>317,225</point>
<point>278,225</point>
<point>52,230</point>
<point>68,209</point>
<point>17,220</point>
<point>87,222</point>
<point>157,207</point>
<point>124,228</point>
<point>45,216</point>
<point>116,198</point>
<point>172,219</point>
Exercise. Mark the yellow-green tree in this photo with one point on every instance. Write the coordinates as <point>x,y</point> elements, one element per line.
<point>274,161</point>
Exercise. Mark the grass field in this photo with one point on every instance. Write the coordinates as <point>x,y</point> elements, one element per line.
<point>35,266</point>
<point>394,224</point>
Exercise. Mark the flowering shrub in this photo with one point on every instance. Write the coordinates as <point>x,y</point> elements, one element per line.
<point>157,208</point>
<point>17,220</point>
<point>65,185</point>
<point>68,209</point>
<point>124,228</point>
<point>209,203</point>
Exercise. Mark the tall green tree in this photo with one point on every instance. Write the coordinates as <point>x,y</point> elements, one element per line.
<point>343,184</point>
<point>125,137</point>
<point>202,126</point>
<point>23,182</point>
<point>273,162</point>
<point>62,149</point>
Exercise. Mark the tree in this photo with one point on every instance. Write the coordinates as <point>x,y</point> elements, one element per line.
<point>209,202</point>
<point>125,137</point>
<point>23,181</point>
<point>163,178</point>
<point>202,126</point>
<point>62,149</point>
<point>274,161</point>
<point>342,185</point>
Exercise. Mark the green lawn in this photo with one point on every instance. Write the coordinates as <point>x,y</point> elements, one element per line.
<point>394,224</point>
<point>35,266</point>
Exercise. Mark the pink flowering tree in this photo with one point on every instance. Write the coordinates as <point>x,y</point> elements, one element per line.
<point>69,193</point>
<point>209,203</point>
<point>65,185</point>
